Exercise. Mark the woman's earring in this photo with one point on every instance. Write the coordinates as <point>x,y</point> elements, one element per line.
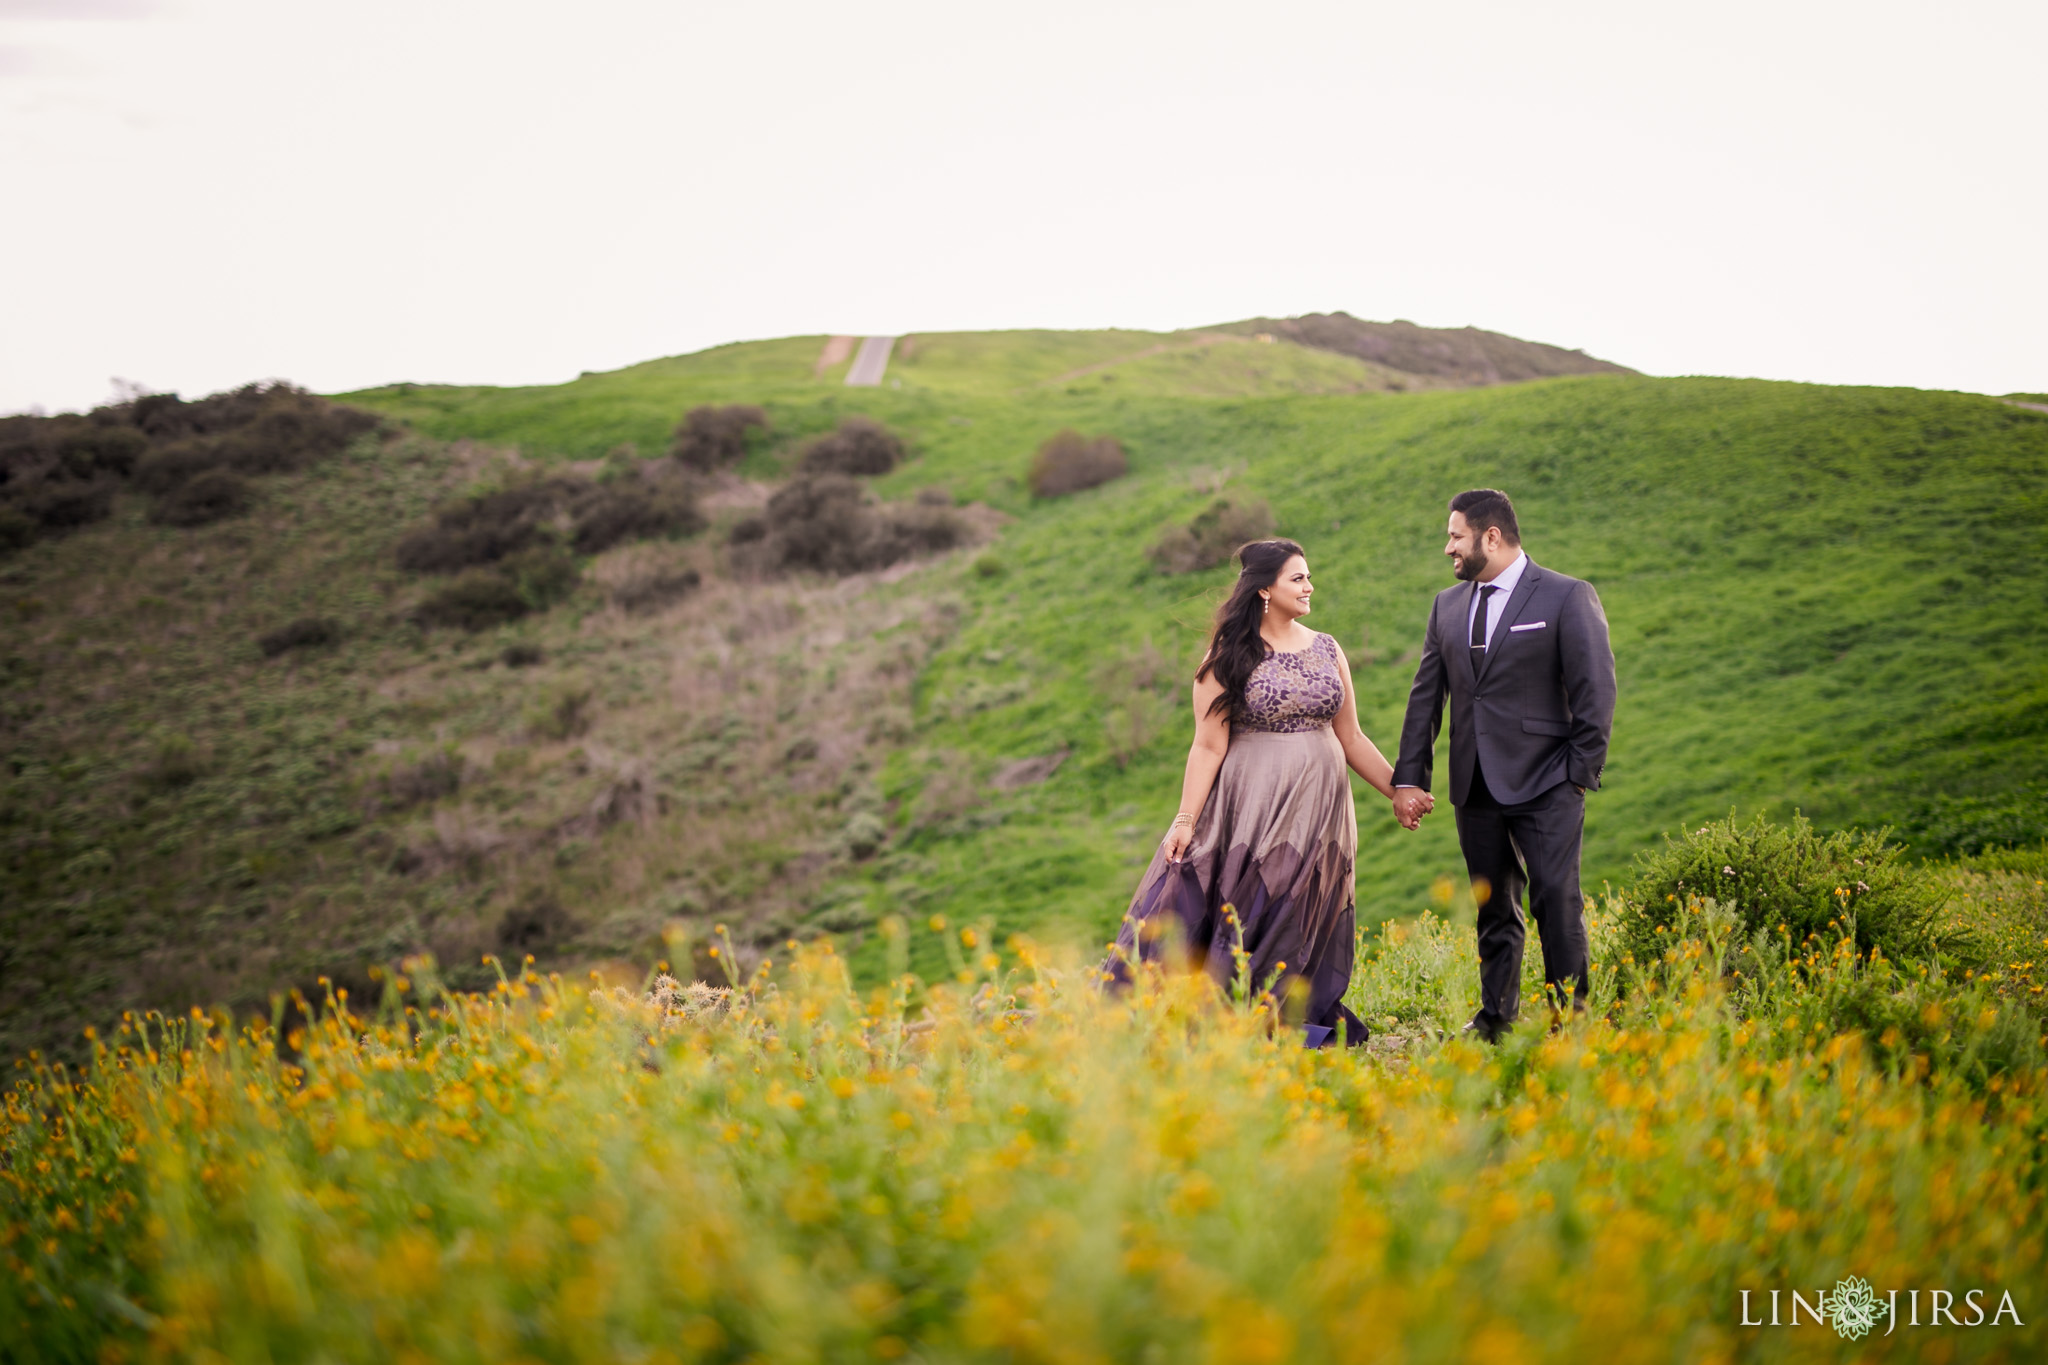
<point>1268,607</point>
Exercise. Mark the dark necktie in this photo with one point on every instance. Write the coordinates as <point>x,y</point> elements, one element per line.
<point>1486,591</point>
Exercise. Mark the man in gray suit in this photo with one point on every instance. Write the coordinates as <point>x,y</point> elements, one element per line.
<point>1522,653</point>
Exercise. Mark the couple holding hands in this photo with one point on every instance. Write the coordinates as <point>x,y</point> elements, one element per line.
<point>1266,822</point>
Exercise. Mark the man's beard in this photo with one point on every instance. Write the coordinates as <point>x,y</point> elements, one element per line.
<point>1469,567</point>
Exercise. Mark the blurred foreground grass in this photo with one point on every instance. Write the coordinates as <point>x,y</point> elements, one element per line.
<point>1000,1166</point>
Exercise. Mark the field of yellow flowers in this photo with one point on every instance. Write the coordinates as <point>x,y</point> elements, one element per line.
<point>1004,1167</point>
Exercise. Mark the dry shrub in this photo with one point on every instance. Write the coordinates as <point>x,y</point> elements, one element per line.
<point>711,438</point>
<point>859,446</point>
<point>257,429</point>
<point>826,523</point>
<point>492,526</point>
<point>476,600</point>
<point>1213,536</point>
<point>283,415</point>
<point>536,923</point>
<point>641,579</point>
<point>55,503</point>
<point>486,528</point>
<point>17,528</point>
<point>176,762</point>
<point>1070,462</point>
<point>305,633</point>
<point>1027,772</point>
<point>169,465</point>
<point>85,448</point>
<point>209,496</point>
<point>634,507</point>
<point>532,580</point>
<point>57,473</point>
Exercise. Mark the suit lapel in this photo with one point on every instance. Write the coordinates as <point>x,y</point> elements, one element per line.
<point>1518,602</point>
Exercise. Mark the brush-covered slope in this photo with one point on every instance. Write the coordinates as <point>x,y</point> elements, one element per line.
<point>186,816</point>
<point>1430,357</point>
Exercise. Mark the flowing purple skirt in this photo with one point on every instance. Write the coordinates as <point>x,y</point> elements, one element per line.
<point>1276,841</point>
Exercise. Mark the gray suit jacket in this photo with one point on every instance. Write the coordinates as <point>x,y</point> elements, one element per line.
<point>1538,711</point>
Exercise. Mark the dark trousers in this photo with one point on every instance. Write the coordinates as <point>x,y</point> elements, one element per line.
<point>1535,845</point>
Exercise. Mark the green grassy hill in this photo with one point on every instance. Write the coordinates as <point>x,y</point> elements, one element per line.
<point>1799,581</point>
<point>1823,598</point>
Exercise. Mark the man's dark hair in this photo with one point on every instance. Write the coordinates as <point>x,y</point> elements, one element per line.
<point>1484,507</point>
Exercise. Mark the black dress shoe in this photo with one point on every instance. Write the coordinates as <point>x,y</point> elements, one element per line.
<point>1484,1031</point>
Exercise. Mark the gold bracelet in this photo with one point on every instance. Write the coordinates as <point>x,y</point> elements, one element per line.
<point>1182,819</point>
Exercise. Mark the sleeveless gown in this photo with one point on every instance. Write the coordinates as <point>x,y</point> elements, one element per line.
<point>1277,841</point>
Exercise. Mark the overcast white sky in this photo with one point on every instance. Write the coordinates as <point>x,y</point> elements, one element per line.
<point>202,192</point>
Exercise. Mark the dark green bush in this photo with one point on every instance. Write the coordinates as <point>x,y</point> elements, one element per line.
<point>60,504</point>
<point>493,526</point>
<point>1212,537</point>
<point>92,448</point>
<point>288,425</point>
<point>534,579</point>
<point>710,437</point>
<point>1070,462</point>
<point>172,463</point>
<point>17,528</point>
<point>202,499</point>
<point>860,446</point>
<point>256,429</point>
<point>474,600</point>
<point>633,508</point>
<point>57,473</point>
<point>487,528</point>
<point>825,523</point>
<point>535,924</point>
<point>307,632</point>
<point>1776,875</point>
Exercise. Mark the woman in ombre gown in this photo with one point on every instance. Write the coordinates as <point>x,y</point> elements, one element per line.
<point>1266,823</point>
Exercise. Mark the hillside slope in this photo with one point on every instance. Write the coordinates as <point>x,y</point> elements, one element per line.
<point>1790,571</point>
<point>1823,598</point>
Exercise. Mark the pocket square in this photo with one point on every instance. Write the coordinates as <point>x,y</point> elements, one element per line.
<point>1533,625</point>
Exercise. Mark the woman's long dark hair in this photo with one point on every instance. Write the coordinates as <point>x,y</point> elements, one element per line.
<point>1235,649</point>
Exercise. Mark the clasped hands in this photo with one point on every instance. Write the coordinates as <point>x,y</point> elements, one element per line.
<point>1411,804</point>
